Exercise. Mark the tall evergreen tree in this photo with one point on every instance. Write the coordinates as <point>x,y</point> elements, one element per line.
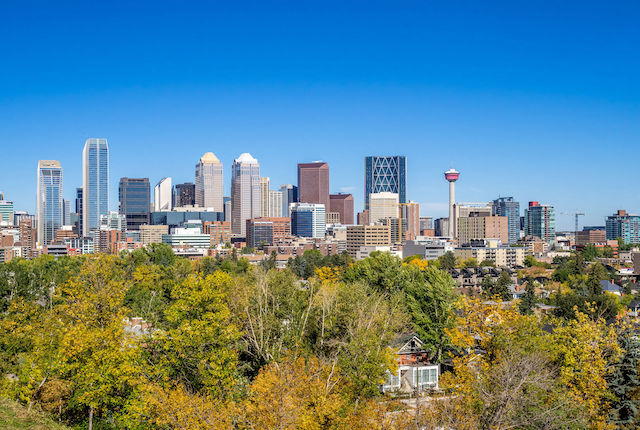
<point>623,383</point>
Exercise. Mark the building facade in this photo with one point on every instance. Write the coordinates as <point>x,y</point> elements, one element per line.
<point>540,221</point>
<point>383,205</point>
<point>411,213</point>
<point>134,200</point>
<point>385,174</point>
<point>209,182</point>
<point>508,207</point>
<point>367,235</point>
<point>289,195</point>
<point>163,195</point>
<point>308,220</point>
<point>623,225</point>
<point>184,194</point>
<point>49,200</point>
<point>275,204</point>
<point>95,183</point>
<point>313,183</point>
<point>265,183</point>
<point>481,226</point>
<point>245,192</point>
<point>342,204</point>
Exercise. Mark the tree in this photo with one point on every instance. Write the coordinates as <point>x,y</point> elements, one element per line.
<point>590,252</point>
<point>487,263</point>
<point>624,383</point>
<point>447,261</point>
<point>488,285</point>
<point>528,301</point>
<point>502,286</point>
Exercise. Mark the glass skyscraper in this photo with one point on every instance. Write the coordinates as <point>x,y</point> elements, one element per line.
<point>245,192</point>
<point>385,174</point>
<point>49,200</point>
<point>623,225</point>
<point>134,197</point>
<point>540,221</point>
<point>507,206</point>
<point>95,184</point>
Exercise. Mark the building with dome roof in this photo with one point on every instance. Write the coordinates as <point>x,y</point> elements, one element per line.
<point>209,182</point>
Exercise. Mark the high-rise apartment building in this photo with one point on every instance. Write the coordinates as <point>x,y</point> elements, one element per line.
<point>383,205</point>
<point>623,225</point>
<point>163,196</point>
<point>289,195</point>
<point>66,212</point>
<point>507,206</point>
<point>411,213</point>
<point>95,183</point>
<point>49,201</point>
<point>245,192</point>
<point>478,225</point>
<point>275,204</point>
<point>342,204</point>
<point>540,221</point>
<point>79,193</point>
<point>184,195</point>
<point>6,210</point>
<point>209,181</point>
<point>134,196</point>
<point>313,183</point>
<point>385,174</point>
<point>265,183</point>
<point>308,220</point>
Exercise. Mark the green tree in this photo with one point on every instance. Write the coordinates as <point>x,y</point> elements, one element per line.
<point>447,261</point>
<point>528,301</point>
<point>624,383</point>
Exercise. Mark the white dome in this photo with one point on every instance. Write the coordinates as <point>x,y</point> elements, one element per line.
<point>245,157</point>
<point>209,157</point>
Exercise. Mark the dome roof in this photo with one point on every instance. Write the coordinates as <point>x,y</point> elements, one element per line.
<point>209,157</point>
<point>245,157</point>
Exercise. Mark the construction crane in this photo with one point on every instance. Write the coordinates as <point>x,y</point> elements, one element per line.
<point>577,214</point>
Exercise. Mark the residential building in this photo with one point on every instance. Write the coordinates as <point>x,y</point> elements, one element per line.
<point>259,233</point>
<point>383,205</point>
<point>479,225</point>
<point>80,245</point>
<point>265,183</point>
<point>289,195</point>
<point>507,206</point>
<point>27,236</point>
<point>49,200</point>
<point>113,221</point>
<point>152,233</point>
<point>275,204</point>
<point>441,227</point>
<point>502,256</point>
<point>540,221</point>
<point>65,232</point>
<point>95,183</point>
<point>398,228</point>
<point>245,192</point>
<point>385,174</point>
<point>163,196</point>
<point>220,231</point>
<point>623,225</point>
<point>367,235</point>
<point>6,211</point>
<point>209,182</point>
<point>415,371</point>
<point>308,220</point>
<point>428,249</point>
<point>184,194</point>
<point>134,200</point>
<point>66,212</point>
<point>313,183</point>
<point>411,213</point>
<point>187,237</point>
<point>342,204</point>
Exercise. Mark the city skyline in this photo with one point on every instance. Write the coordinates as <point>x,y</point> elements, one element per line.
<point>442,86</point>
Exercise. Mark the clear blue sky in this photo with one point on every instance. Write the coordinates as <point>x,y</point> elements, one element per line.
<point>531,99</point>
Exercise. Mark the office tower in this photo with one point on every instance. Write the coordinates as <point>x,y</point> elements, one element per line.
<point>452,176</point>
<point>308,220</point>
<point>95,183</point>
<point>623,225</point>
<point>227,209</point>
<point>289,195</point>
<point>264,196</point>
<point>27,236</point>
<point>267,231</point>
<point>79,193</point>
<point>411,212</point>
<point>382,205</point>
<point>441,227</point>
<point>363,217</point>
<point>313,183</point>
<point>162,196</point>
<point>540,221</point>
<point>507,206</point>
<point>209,181</point>
<point>134,196</point>
<point>482,226</point>
<point>342,204</point>
<point>152,233</point>
<point>6,210</point>
<point>49,201</point>
<point>385,174</point>
<point>113,221</point>
<point>367,235</point>
<point>219,231</point>
<point>66,212</point>
<point>184,195</point>
<point>275,204</point>
<point>245,192</point>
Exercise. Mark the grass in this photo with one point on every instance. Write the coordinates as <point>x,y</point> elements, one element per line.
<point>14,416</point>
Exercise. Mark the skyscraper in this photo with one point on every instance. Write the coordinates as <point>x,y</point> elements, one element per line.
<point>184,194</point>
<point>313,183</point>
<point>245,192</point>
<point>623,225</point>
<point>308,220</point>
<point>49,200</point>
<point>275,204</point>
<point>289,195</point>
<point>66,212</point>
<point>163,196</point>
<point>383,205</point>
<point>540,221</point>
<point>79,225</point>
<point>134,197</point>
<point>385,174</point>
<point>95,184</point>
<point>209,181</point>
<point>342,204</point>
<point>264,196</point>
<point>507,206</point>
<point>6,210</point>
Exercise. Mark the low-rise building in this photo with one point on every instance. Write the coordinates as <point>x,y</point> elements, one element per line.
<point>367,235</point>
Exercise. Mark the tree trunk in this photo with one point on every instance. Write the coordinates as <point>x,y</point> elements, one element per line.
<point>91,418</point>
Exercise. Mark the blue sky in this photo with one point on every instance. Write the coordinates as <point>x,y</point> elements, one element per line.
<point>532,99</point>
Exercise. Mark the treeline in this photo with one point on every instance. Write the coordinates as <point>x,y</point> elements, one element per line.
<point>147,340</point>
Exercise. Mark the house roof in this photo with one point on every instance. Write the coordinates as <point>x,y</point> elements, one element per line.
<point>610,286</point>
